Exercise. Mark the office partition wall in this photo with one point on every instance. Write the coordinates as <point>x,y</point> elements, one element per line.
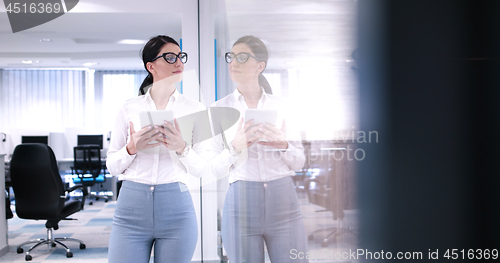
<point>311,65</point>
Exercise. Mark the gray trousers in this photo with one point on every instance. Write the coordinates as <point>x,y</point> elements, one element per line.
<point>162,215</point>
<point>256,212</point>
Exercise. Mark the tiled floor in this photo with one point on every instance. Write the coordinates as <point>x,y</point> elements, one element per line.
<point>94,226</point>
<point>315,218</point>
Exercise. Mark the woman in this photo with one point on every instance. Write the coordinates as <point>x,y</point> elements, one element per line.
<point>154,206</point>
<point>261,204</point>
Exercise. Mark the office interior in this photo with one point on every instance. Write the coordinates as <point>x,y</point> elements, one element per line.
<point>366,133</point>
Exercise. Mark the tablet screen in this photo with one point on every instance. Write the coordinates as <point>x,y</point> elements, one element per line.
<point>261,116</point>
<point>148,118</point>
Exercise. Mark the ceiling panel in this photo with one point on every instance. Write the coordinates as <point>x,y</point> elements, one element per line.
<point>294,30</point>
<point>76,38</point>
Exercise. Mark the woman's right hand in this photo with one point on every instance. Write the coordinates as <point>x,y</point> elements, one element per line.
<point>140,140</point>
<point>246,136</point>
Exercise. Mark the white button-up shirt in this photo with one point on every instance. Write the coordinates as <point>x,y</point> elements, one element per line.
<point>258,163</point>
<point>157,166</point>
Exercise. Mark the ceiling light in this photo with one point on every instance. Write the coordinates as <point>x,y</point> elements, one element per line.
<point>45,40</point>
<point>132,42</point>
<point>27,62</point>
<point>89,64</point>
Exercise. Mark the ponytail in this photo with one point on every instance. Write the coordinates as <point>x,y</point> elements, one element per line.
<point>265,84</point>
<point>259,49</point>
<point>146,84</point>
<point>149,52</point>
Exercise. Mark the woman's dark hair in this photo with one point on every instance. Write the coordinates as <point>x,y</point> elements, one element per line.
<point>150,51</point>
<point>260,51</point>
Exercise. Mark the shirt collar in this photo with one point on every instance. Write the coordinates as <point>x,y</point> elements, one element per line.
<point>237,95</point>
<point>175,96</point>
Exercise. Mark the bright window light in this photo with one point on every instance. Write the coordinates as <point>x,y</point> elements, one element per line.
<point>132,42</point>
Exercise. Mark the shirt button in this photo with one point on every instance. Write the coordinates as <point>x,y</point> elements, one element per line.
<point>152,188</point>
<point>265,185</point>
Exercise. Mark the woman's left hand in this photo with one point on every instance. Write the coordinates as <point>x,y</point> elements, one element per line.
<point>275,137</point>
<point>172,137</point>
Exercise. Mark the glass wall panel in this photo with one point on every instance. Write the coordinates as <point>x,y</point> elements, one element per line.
<point>312,69</point>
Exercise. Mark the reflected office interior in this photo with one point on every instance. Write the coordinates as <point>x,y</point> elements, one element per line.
<point>312,63</point>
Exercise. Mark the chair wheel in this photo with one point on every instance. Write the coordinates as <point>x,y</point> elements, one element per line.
<point>310,237</point>
<point>28,258</point>
<point>324,243</point>
<point>82,246</point>
<point>69,254</point>
<point>20,250</point>
<point>97,198</point>
<point>53,244</point>
<point>90,203</point>
<point>105,201</point>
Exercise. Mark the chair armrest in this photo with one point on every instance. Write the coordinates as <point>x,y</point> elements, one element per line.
<point>83,188</point>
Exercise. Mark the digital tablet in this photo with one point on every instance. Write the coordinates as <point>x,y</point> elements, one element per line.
<point>152,118</point>
<point>261,116</point>
<point>157,117</point>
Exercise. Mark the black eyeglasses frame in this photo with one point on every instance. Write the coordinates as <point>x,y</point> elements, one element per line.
<point>248,56</point>
<point>177,56</point>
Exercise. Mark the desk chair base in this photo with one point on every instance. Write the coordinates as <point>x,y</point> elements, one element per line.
<point>334,231</point>
<point>51,242</point>
<point>96,197</point>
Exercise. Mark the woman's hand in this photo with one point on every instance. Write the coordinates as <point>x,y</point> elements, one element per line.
<point>140,140</point>
<point>172,137</point>
<point>275,137</point>
<point>246,136</point>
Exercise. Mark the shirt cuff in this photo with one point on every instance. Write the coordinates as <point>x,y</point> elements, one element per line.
<point>229,157</point>
<point>288,150</point>
<point>123,152</point>
<point>189,160</point>
<point>190,156</point>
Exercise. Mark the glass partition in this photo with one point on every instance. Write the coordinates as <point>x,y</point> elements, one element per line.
<point>311,66</point>
<point>311,70</point>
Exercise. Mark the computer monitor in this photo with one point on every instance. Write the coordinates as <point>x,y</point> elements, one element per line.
<point>90,139</point>
<point>35,139</point>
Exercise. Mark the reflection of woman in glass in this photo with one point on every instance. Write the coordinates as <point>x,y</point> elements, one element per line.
<point>261,204</point>
<point>154,206</point>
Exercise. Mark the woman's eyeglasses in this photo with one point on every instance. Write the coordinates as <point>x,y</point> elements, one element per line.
<point>171,58</point>
<point>240,57</point>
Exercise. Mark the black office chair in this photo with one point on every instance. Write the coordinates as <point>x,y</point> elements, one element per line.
<point>39,193</point>
<point>328,191</point>
<point>87,165</point>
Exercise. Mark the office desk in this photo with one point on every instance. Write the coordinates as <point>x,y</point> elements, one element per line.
<point>65,164</point>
